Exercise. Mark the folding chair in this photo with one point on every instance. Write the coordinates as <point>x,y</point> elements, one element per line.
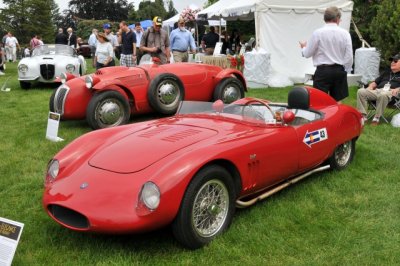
<point>392,108</point>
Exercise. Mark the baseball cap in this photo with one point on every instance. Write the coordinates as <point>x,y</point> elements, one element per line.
<point>395,57</point>
<point>157,21</point>
<point>106,26</point>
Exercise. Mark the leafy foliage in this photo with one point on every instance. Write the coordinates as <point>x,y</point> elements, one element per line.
<point>114,10</point>
<point>385,28</point>
<point>363,13</point>
<point>210,2</point>
<point>171,10</point>
<point>149,10</point>
<point>27,17</point>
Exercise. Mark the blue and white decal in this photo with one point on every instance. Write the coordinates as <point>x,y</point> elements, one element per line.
<point>315,136</point>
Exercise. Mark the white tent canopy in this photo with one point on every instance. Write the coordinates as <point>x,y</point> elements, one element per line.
<point>280,25</point>
<point>171,21</point>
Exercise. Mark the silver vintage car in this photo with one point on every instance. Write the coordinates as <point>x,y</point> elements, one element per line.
<point>48,62</point>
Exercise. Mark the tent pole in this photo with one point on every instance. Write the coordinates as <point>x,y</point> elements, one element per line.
<point>220,25</point>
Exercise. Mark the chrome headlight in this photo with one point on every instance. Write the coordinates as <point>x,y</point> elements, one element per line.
<point>150,195</point>
<point>63,78</point>
<point>70,68</point>
<point>89,82</point>
<point>52,170</point>
<point>23,68</point>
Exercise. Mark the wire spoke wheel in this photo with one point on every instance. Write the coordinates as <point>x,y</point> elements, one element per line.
<point>210,208</point>
<point>343,153</point>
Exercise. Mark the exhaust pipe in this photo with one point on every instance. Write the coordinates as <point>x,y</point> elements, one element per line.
<point>245,204</point>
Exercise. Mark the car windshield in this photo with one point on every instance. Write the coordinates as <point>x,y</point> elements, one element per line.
<point>248,110</point>
<point>53,49</point>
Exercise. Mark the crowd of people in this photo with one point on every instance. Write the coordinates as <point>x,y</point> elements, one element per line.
<point>330,48</point>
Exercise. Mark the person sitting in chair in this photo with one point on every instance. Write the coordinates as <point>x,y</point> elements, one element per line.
<point>381,90</point>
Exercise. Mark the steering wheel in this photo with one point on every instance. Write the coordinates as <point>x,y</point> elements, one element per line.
<point>256,113</point>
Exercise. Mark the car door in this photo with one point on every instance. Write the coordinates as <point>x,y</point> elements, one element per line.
<point>277,155</point>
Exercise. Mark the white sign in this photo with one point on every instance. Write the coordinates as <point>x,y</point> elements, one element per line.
<point>10,232</point>
<point>53,123</point>
<point>315,137</point>
<point>217,49</point>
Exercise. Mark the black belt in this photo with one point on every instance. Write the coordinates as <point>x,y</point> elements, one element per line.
<point>333,65</point>
<point>179,51</point>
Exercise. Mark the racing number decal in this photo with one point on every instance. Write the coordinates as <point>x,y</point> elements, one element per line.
<point>315,136</point>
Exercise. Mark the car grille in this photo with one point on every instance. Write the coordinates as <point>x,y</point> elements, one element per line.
<point>68,217</point>
<point>59,99</point>
<point>47,71</point>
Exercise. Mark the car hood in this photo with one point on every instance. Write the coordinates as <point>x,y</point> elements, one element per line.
<point>132,154</point>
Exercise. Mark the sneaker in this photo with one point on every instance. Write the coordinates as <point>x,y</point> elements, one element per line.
<point>375,121</point>
<point>1,73</point>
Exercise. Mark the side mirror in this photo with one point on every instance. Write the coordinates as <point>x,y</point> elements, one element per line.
<point>288,116</point>
<point>218,106</point>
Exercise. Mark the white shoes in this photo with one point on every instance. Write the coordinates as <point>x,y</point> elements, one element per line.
<point>1,73</point>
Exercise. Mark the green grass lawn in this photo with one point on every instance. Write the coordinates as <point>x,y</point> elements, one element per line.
<point>350,217</point>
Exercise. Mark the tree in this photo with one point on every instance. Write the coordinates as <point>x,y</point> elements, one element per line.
<point>210,2</point>
<point>363,13</point>
<point>385,28</point>
<point>171,10</point>
<point>149,10</point>
<point>27,17</point>
<point>113,10</point>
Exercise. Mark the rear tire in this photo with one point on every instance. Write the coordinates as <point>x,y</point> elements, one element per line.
<point>165,92</point>
<point>229,90</point>
<point>343,155</point>
<point>206,209</point>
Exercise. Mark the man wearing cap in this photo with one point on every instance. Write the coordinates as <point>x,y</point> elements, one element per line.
<point>111,37</point>
<point>155,41</point>
<point>128,40</point>
<point>381,90</point>
<point>181,39</point>
<point>331,50</point>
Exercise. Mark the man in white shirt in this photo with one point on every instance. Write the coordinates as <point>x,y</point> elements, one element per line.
<point>12,43</point>
<point>92,43</point>
<point>332,53</point>
<point>139,33</point>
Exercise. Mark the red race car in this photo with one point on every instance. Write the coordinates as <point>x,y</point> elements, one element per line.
<point>108,97</point>
<point>193,168</point>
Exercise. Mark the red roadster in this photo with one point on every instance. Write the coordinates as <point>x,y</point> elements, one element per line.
<point>108,97</point>
<point>193,168</point>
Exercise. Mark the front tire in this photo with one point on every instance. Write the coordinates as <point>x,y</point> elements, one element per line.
<point>165,92</point>
<point>51,102</point>
<point>25,85</point>
<point>343,155</point>
<point>207,208</point>
<point>229,90</point>
<point>107,109</point>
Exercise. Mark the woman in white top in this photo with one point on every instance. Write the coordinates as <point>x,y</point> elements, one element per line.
<point>104,52</point>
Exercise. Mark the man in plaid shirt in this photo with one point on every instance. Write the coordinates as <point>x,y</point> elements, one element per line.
<point>128,40</point>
